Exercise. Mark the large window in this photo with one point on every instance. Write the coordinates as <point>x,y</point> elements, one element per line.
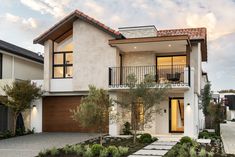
<point>63,64</point>
<point>171,60</point>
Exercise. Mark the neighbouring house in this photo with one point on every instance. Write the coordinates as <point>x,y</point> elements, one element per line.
<point>17,63</point>
<point>81,51</point>
<point>228,100</point>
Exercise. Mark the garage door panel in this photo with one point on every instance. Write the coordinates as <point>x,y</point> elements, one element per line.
<point>57,117</point>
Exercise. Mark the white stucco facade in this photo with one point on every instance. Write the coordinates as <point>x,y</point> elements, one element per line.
<point>92,58</point>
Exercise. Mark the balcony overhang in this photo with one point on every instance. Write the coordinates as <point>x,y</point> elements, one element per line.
<point>152,44</point>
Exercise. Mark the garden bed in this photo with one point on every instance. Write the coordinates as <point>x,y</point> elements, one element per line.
<point>8,134</point>
<point>191,148</point>
<point>120,144</point>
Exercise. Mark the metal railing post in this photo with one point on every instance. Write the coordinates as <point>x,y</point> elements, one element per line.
<point>189,76</point>
<point>110,76</point>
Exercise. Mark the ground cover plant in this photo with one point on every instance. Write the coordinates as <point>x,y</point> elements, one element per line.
<point>111,147</point>
<point>8,134</point>
<point>188,147</point>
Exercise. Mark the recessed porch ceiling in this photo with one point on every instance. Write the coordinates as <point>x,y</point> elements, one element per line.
<point>153,44</point>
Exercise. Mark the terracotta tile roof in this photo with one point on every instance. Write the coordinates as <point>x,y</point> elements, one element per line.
<point>94,21</point>
<point>193,33</point>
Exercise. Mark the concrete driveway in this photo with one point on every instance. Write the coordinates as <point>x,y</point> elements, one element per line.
<point>228,137</point>
<point>31,145</point>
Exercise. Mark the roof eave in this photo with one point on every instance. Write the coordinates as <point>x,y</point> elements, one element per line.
<point>71,18</point>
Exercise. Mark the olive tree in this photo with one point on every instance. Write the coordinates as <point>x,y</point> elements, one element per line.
<point>19,97</point>
<point>93,110</point>
<point>147,94</point>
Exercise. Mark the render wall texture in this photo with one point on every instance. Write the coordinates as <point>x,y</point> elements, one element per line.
<point>18,68</point>
<point>92,56</point>
<point>195,62</point>
<point>6,66</point>
<point>47,64</point>
<point>139,59</point>
<point>26,70</point>
<point>139,32</point>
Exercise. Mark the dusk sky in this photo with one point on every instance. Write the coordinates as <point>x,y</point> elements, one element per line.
<point>23,20</point>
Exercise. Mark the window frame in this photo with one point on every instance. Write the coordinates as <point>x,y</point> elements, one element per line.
<point>64,65</point>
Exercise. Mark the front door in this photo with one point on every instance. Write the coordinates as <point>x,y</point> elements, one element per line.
<point>176,115</point>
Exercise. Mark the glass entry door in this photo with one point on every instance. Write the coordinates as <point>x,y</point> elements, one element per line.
<point>176,115</point>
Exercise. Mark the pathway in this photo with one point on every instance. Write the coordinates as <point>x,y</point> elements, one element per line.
<point>228,137</point>
<point>155,149</point>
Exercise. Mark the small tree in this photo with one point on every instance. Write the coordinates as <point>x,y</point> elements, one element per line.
<point>148,94</point>
<point>19,97</point>
<point>93,110</point>
<point>206,98</point>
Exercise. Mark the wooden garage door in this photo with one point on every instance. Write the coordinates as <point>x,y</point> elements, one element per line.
<point>56,115</point>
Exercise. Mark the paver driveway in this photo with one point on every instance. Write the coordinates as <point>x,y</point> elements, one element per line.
<point>30,145</point>
<point>228,137</point>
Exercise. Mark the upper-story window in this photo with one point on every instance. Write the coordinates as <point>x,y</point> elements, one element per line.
<point>63,59</point>
<point>171,61</point>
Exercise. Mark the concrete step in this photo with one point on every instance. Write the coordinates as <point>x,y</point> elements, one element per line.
<point>158,147</point>
<point>151,152</point>
<point>164,143</point>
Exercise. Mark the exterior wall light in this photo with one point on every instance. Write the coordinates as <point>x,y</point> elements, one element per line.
<point>188,104</point>
<point>34,106</point>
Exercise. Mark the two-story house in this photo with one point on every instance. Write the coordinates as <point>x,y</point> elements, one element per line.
<point>17,63</point>
<point>80,51</point>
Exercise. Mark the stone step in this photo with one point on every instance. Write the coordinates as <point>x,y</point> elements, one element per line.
<point>164,143</point>
<point>151,152</point>
<point>158,147</point>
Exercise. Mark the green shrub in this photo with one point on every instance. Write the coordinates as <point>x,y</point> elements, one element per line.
<point>67,149</point>
<point>20,131</point>
<point>205,131</point>
<point>78,149</point>
<point>210,154</point>
<point>88,152</point>
<point>41,154</point>
<point>154,139</point>
<point>184,150</point>
<point>7,134</point>
<point>54,151</point>
<point>104,153</point>
<point>96,149</point>
<point>204,135</point>
<point>113,150</point>
<point>192,152</point>
<point>30,131</point>
<point>127,129</point>
<point>145,138</point>
<point>186,139</point>
<point>208,135</point>
<point>123,150</point>
<point>173,152</point>
<point>202,153</point>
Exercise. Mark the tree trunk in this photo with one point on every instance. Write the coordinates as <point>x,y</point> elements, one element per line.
<point>15,115</point>
<point>101,136</point>
<point>135,128</point>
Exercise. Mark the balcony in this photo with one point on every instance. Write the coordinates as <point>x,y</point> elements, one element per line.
<point>175,75</point>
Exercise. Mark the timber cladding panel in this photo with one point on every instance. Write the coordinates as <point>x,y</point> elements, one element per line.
<point>57,117</point>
